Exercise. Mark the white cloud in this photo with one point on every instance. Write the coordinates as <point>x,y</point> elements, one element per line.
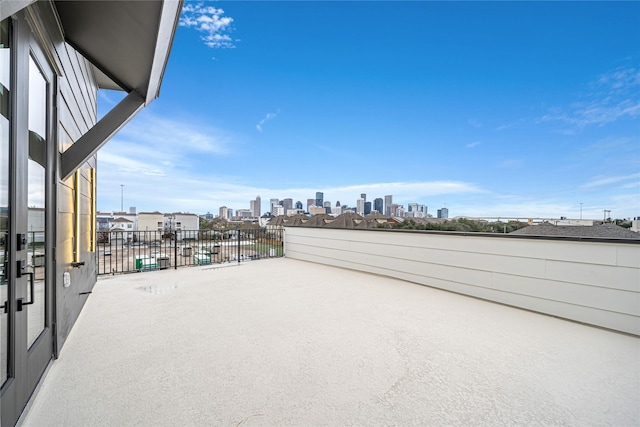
<point>150,155</point>
<point>620,80</point>
<point>610,180</point>
<point>269,116</point>
<point>473,144</point>
<point>209,21</point>
<point>167,136</point>
<point>614,96</point>
<point>127,165</point>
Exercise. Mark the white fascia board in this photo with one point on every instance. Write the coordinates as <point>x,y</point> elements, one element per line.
<point>166,31</point>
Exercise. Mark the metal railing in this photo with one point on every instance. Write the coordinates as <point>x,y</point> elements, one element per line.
<point>134,251</point>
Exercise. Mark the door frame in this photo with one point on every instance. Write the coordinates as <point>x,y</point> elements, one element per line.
<point>27,365</point>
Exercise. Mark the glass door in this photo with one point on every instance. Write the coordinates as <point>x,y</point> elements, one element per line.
<point>26,189</point>
<point>36,207</point>
<point>5,84</point>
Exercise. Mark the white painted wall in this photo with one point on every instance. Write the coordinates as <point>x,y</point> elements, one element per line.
<point>594,282</point>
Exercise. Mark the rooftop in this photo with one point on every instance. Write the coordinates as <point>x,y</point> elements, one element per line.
<point>287,342</point>
<point>606,230</point>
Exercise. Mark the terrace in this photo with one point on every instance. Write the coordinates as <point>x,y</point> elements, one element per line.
<point>289,341</point>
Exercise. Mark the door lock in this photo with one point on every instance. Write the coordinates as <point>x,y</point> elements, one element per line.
<point>21,241</point>
<point>21,268</point>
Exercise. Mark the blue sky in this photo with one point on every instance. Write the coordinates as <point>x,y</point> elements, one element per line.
<point>488,108</point>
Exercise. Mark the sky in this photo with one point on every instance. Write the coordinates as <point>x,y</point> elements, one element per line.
<point>521,109</point>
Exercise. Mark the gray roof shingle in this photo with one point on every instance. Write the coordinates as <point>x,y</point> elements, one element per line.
<point>606,231</point>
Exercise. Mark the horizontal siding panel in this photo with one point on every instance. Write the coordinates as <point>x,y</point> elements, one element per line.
<point>65,200</point>
<point>68,59</point>
<point>591,252</point>
<point>323,242</point>
<point>477,261</point>
<point>84,84</point>
<point>67,95</point>
<point>628,256</point>
<point>595,275</point>
<point>627,302</point>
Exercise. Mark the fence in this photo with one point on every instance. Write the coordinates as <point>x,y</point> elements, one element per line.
<point>127,252</point>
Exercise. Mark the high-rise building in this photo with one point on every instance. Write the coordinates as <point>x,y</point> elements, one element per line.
<point>272,203</point>
<point>363,196</point>
<point>298,204</point>
<point>443,213</point>
<point>310,202</point>
<point>417,210</point>
<point>244,213</point>
<point>396,210</point>
<point>288,205</point>
<point>367,208</point>
<point>255,207</point>
<point>319,199</point>
<point>326,204</point>
<point>360,206</point>
<point>388,201</point>
<point>223,212</point>
<point>378,205</point>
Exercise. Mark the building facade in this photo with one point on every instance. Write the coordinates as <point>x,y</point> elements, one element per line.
<point>287,204</point>
<point>378,205</point>
<point>255,207</point>
<point>180,225</point>
<point>388,201</point>
<point>54,57</point>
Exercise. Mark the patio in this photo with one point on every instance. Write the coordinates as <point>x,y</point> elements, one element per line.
<point>288,342</point>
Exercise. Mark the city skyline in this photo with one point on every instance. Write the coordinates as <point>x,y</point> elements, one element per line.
<point>526,112</point>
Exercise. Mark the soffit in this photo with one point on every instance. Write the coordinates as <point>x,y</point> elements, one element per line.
<point>120,38</point>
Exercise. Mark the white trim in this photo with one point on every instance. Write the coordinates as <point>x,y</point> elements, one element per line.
<point>170,14</point>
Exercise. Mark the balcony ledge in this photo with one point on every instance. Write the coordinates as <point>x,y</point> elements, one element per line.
<point>287,342</point>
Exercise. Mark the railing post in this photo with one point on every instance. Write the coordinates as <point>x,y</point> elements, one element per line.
<point>238,236</point>
<point>175,252</point>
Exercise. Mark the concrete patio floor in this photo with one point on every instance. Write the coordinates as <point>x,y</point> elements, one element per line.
<point>286,342</point>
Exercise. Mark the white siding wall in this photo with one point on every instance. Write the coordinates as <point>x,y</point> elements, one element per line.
<point>592,282</point>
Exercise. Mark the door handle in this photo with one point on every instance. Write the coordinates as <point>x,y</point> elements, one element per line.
<point>21,301</point>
